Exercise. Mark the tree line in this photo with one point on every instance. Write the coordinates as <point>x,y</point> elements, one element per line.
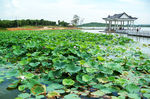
<point>19,23</point>
<point>28,22</point>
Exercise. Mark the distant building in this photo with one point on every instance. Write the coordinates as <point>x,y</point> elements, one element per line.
<point>120,22</point>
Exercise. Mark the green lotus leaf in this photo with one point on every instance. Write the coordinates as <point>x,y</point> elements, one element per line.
<point>12,72</point>
<point>106,70</point>
<point>54,86</point>
<point>29,75</point>
<point>86,78</point>
<point>111,78</point>
<point>97,93</point>
<point>68,82</point>
<point>21,87</point>
<point>45,64</point>
<point>53,94</point>
<point>91,70</point>
<point>14,84</point>
<point>134,96</point>
<point>24,95</point>
<point>19,98</point>
<point>34,64</point>
<point>132,88</point>
<point>1,80</point>
<point>38,89</point>
<point>82,62</point>
<point>146,95</point>
<point>51,75</point>
<point>102,80</point>
<point>59,65</point>
<point>60,91</point>
<point>23,62</point>
<point>100,58</point>
<point>71,96</point>
<point>79,78</point>
<point>18,52</point>
<point>114,97</point>
<point>39,96</point>
<point>144,90</point>
<point>121,81</point>
<point>72,68</point>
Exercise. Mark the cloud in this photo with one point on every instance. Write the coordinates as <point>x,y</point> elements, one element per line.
<point>55,10</point>
<point>133,2</point>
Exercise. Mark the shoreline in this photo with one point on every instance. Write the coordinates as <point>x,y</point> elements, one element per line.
<point>43,28</point>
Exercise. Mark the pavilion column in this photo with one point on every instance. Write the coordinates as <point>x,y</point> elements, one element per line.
<point>110,24</point>
<point>128,25</point>
<point>133,25</point>
<point>123,24</point>
<point>106,24</point>
<point>115,25</point>
<point>119,24</point>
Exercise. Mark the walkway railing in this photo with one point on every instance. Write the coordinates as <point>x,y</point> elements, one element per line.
<point>134,32</point>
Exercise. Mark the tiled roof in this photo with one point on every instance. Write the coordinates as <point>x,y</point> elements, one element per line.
<point>117,16</point>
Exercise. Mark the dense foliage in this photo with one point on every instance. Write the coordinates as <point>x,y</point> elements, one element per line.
<point>63,23</point>
<point>71,64</point>
<point>18,23</point>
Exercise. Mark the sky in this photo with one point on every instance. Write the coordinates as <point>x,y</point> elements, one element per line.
<point>88,10</point>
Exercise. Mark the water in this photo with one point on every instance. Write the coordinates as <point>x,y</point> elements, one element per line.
<point>93,28</point>
<point>4,92</point>
<point>139,40</point>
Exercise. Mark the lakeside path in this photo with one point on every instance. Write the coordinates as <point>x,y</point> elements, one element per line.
<point>43,28</point>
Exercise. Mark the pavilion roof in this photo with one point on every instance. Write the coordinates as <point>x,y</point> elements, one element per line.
<point>119,16</point>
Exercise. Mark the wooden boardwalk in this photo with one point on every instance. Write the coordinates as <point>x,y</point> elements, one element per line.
<point>135,33</point>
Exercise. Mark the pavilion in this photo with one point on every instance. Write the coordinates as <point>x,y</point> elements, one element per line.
<point>120,22</point>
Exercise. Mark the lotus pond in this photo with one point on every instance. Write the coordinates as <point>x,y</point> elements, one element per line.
<point>71,64</point>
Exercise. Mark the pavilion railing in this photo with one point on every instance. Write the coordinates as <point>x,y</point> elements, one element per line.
<point>134,32</point>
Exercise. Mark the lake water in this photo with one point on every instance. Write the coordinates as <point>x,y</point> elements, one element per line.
<point>103,28</point>
<point>4,92</point>
<point>139,40</point>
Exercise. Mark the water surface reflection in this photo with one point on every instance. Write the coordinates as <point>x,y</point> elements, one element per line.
<point>139,40</point>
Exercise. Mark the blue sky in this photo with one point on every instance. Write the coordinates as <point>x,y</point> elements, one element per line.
<point>89,10</point>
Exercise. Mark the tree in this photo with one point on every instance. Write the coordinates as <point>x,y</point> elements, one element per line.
<point>18,23</point>
<point>62,23</point>
<point>75,20</point>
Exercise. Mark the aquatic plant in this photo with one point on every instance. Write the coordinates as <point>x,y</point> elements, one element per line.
<point>72,64</point>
